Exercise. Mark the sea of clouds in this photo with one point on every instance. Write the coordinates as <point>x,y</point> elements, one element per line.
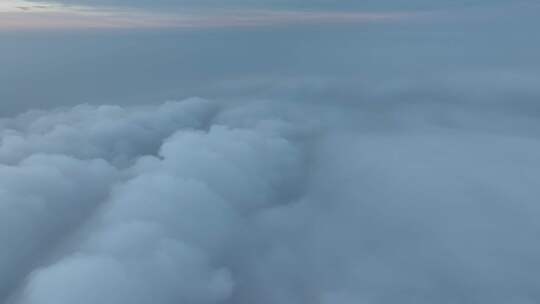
<point>271,202</point>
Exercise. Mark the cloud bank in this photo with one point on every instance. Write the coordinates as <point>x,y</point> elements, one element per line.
<point>270,202</point>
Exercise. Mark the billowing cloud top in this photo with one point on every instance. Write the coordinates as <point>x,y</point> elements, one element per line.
<point>270,202</point>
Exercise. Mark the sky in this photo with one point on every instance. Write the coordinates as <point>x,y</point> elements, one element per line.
<point>269,151</point>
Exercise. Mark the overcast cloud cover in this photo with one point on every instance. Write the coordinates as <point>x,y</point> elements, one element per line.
<point>378,163</point>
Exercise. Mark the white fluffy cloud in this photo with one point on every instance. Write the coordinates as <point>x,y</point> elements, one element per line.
<point>268,202</point>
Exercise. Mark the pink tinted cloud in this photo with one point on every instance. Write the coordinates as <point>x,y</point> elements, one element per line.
<point>118,20</point>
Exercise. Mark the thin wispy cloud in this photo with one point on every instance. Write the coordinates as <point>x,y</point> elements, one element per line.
<point>24,15</point>
<point>12,6</point>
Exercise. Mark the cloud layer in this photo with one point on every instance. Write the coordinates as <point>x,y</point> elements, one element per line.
<point>288,4</point>
<point>270,202</point>
<point>35,17</point>
<point>144,14</point>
